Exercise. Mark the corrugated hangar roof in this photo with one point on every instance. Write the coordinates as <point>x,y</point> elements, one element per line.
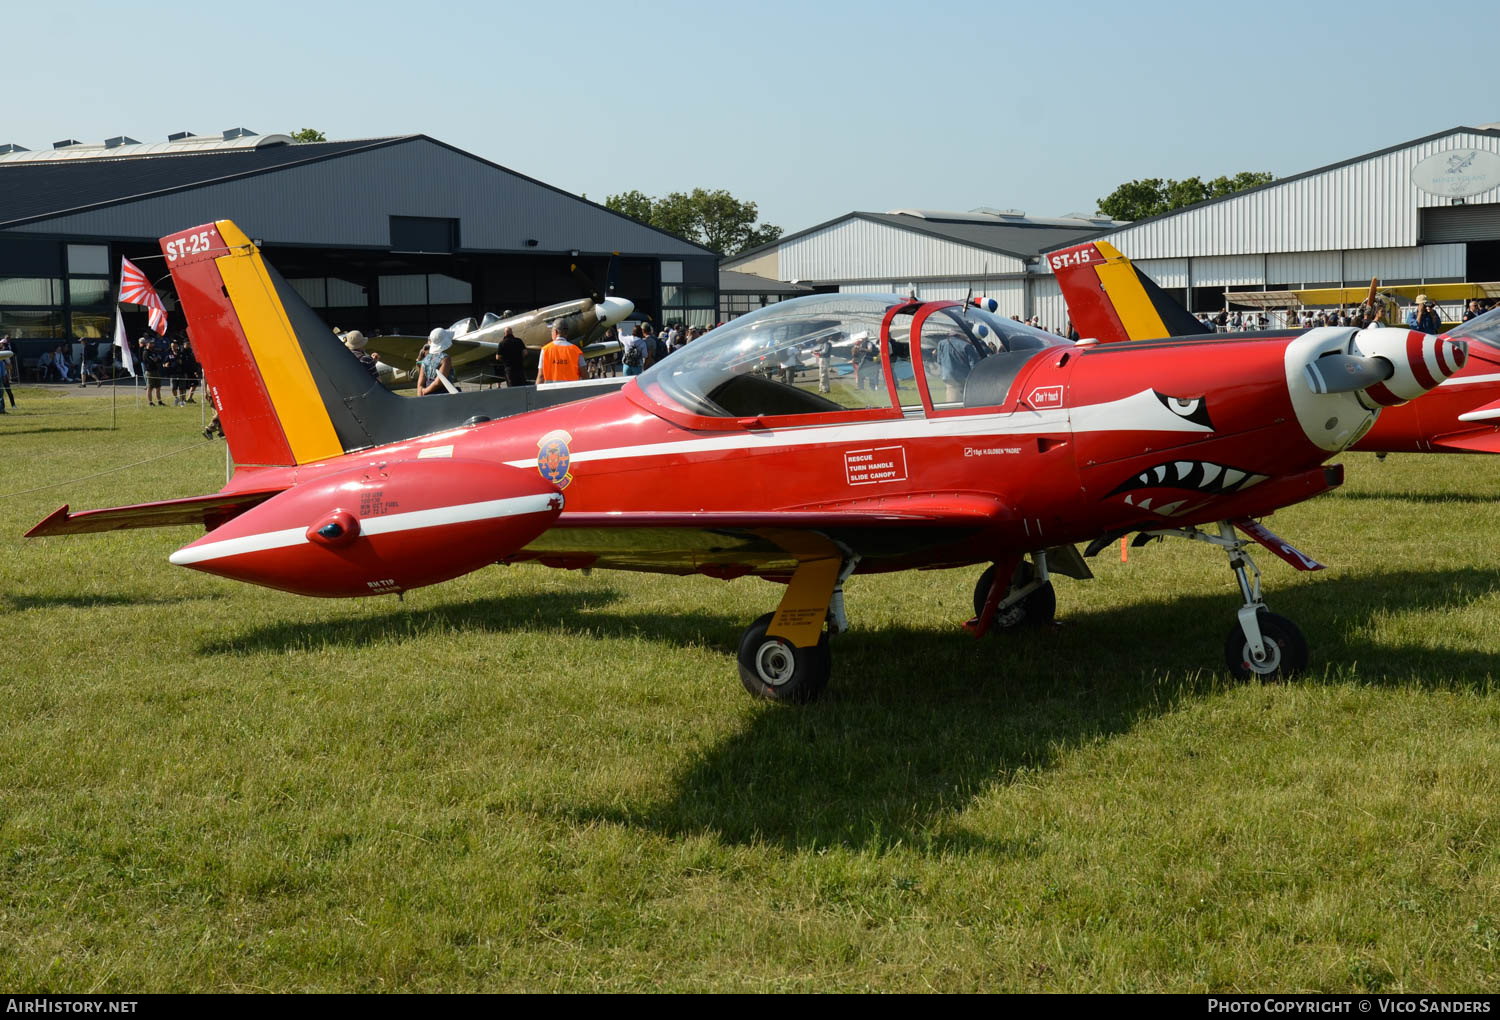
<point>40,189</point>
<point>338,193</point>
<point>731,282</point>
<point>1007,234</point>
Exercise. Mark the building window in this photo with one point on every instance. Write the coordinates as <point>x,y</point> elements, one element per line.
<point>425,289</point>
<point>423,234</point>
<point>85,293</point>
<point>345,294</point>
<point>671,272</point>
<point>30,290</point>
<point>313,290</point>
<point>88,260</point>
<point>410,289</point>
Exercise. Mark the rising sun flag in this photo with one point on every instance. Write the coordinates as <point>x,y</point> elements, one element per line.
<point>135,289</point>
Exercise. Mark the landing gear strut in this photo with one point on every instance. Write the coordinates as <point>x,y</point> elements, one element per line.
<point>783,656</point>
<point>1029,600</point>
<point>1261,644</point>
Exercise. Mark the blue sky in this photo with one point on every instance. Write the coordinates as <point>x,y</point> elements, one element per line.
<point>809,109</point>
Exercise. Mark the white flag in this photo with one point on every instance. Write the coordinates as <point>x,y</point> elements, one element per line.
<point>124,344</point>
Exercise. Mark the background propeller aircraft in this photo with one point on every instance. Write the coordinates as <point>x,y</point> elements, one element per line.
<point>583,321</point>
<point>954,453</point>
<point>1110,300</point>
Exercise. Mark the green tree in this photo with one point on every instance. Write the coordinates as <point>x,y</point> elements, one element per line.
<point>715,219</point>
<point>309,135</point>
<point>1141,199</point>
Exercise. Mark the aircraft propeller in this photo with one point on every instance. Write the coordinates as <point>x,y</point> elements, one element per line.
<point>1345,373</point>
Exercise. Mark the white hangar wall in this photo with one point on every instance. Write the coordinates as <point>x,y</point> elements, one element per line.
<point>1368,203</point>
<point>858,249</point>
<point>1340,225</point>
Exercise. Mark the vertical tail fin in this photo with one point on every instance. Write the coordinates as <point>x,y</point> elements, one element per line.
<point>1109,299</point>
<point>284,386</point>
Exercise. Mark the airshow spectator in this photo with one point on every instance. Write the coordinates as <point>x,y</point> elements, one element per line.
<point>355,341</point>
<point>561,360</point>
<point>636,354</point>
<point>435,365</point>
<point>1423,316</point>
<point>6,370</point>
<point>1472,310</point>
<point>510,356</point>
<point>151,362</point>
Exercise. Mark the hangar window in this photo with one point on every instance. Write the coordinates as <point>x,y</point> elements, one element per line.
<point>84,293</point>
<point>345,294</point>
<point>30,290</point>
<point>314,291</point>
<point>423,234</point>
<point>424,289</point>
<point>88,260</point>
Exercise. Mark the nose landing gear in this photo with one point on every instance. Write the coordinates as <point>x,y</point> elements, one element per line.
<point>1261,644</point>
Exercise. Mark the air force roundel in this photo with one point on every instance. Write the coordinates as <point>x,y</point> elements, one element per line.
<point>553,458</point>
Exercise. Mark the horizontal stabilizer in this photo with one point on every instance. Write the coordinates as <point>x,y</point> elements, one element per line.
<point>208,511</point>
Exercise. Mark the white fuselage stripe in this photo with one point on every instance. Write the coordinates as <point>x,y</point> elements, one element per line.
<point>1469,380</point>
<point>410,521</point>
<point>1113,416</point>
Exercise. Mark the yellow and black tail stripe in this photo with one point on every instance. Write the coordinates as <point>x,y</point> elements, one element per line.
<point>1143,308</point>
<point>279,356</point>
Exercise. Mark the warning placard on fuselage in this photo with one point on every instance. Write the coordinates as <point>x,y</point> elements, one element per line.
<point>880,464</point>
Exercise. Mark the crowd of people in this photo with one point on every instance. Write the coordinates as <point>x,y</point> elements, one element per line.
<point>1423,314</point>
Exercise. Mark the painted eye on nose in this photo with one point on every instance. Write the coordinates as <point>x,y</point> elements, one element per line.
<point>1191,408</point>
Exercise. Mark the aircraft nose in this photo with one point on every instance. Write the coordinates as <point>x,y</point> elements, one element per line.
<point>614,310</point>
<point>1420,361</point>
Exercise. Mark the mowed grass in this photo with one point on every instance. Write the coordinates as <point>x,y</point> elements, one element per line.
<point>532,779</point>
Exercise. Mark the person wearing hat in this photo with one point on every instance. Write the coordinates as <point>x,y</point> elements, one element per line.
<point>355,341</point>
<point>435,365</point>
<point>1423,316</point>
<point>561,361</point>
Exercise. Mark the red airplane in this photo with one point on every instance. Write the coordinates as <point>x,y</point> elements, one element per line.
<point>755,450</point>
<point>1109,299</point>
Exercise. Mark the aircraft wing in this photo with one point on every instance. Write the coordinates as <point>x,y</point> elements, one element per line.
<point>209,511</point>
<point>400,351</point>
<point>1487,441</point>
<point>599,350</point>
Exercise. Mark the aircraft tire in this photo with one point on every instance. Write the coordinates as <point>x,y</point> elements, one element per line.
<point>1285,643</point>
<point>772,668</point>
<point>1036,610</point>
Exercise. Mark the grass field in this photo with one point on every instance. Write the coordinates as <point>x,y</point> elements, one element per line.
<point>530,779</point>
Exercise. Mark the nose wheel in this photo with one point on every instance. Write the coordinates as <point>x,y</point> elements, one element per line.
<point>1260,644</point>
<point>1283,649</point>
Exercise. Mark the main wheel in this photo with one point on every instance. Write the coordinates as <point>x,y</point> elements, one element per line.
<point>1035,610</point>
<point>1286,650</point>
<point>773,668</point>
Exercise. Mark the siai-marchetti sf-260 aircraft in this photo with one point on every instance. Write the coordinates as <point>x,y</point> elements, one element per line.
<point>974,440</point>
<point>1109,299</point>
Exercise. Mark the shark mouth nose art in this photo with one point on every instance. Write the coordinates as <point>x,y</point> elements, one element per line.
<point>1197,476</point>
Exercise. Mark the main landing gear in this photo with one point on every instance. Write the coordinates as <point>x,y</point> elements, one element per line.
<point>1026,600</point>
<point>783,656</point>
<point>1261,644</point>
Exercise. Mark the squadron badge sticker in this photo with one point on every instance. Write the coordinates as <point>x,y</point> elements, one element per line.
<point>553,458</point>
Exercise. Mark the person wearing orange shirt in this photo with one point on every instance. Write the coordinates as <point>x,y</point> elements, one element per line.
<point>561,361</point>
